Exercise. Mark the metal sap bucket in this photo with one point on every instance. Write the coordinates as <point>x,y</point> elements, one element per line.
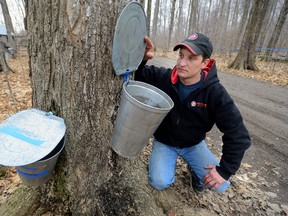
<point>31,140</point>
<point>38,173</point>
<point>142,109</point>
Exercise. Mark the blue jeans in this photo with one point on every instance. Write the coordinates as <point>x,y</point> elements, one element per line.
<point>163,159</point>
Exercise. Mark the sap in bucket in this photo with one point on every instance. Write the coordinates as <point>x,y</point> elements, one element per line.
<point>31,140</point>
<point>142,109</point>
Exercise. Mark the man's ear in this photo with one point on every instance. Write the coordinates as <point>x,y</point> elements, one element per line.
<point>205,63</point>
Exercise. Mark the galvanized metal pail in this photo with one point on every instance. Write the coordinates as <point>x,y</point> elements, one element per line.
<point>142,109</point>
<point>39,172</point>
<point>31,140</point>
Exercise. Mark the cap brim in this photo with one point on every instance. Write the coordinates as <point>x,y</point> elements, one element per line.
<point>190,46</point>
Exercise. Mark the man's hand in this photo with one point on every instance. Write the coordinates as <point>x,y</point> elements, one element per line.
<point>149,52</point>
<point>213,179</point>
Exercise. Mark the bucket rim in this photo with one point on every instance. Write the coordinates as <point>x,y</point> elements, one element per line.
<point>55,155</point>
<point>155,89</point>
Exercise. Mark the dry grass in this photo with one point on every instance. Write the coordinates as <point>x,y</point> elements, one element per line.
<point>20,85</point>
<point>272,72</point>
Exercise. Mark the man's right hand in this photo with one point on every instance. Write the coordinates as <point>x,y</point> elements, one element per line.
<point>149,51</point>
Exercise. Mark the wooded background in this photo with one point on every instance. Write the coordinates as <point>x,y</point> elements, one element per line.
<point>224,21</point>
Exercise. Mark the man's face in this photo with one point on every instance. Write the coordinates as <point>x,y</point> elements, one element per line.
<point>189,66</point>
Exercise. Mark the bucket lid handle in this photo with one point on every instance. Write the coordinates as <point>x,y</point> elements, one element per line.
<point>126,76</point>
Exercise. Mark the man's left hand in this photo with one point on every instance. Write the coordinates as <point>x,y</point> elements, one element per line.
<point>213,179</point>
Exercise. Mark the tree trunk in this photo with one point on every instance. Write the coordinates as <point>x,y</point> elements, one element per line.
<point>267,20</point>
<point>149,8</point>
<point>72,76</point>
<point>163,26</point>
<point>172,14</point>
<point>246,57</point>
<point>232,27</point>
<point>224,21</point>
<point>244,19</point>
<point>234,22</point>
<point>142,2</point>
<point>277,30</point>
<point>8,22</point>
<point>194,14</point>
<point>227,16</point>
<point>155,20</point>
<point>206,27</point>
<point>180,27</point>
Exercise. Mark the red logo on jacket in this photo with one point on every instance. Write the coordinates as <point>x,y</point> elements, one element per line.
<point>198,104</point>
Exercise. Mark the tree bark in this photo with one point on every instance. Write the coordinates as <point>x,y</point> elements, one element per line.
<point>246,57</point>
<point>70,61</point>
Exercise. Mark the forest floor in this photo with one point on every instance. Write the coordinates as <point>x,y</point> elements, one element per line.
<point>244,197</point>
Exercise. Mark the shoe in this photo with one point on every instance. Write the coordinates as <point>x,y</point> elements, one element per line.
<point>196,185</point>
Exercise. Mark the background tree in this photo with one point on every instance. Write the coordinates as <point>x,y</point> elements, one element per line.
<point>8,23</point>
<point>244,18</point>
<point>149,8</point>
<point>171,23</point>
<point>233,25</point>
<point>180,26</point>
<point>206,27</point>
<point>246,57</point>
<point>277,30</point>
<point>193,17</point>
<point>230,15</point>
<point>155,20</point>
<point>268,19</point>
<point>224,21</point>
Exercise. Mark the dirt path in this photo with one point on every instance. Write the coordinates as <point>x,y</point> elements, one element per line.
<point>265,110</point>
<point>262,178</point>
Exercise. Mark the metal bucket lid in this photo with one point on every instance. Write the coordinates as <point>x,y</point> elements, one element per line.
<point>128,44</point>
<point>28,136</point>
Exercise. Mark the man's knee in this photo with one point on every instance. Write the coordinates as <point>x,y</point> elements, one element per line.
<point>159,183</point>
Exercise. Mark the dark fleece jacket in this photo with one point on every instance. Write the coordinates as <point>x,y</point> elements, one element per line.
<point>188,122</point>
